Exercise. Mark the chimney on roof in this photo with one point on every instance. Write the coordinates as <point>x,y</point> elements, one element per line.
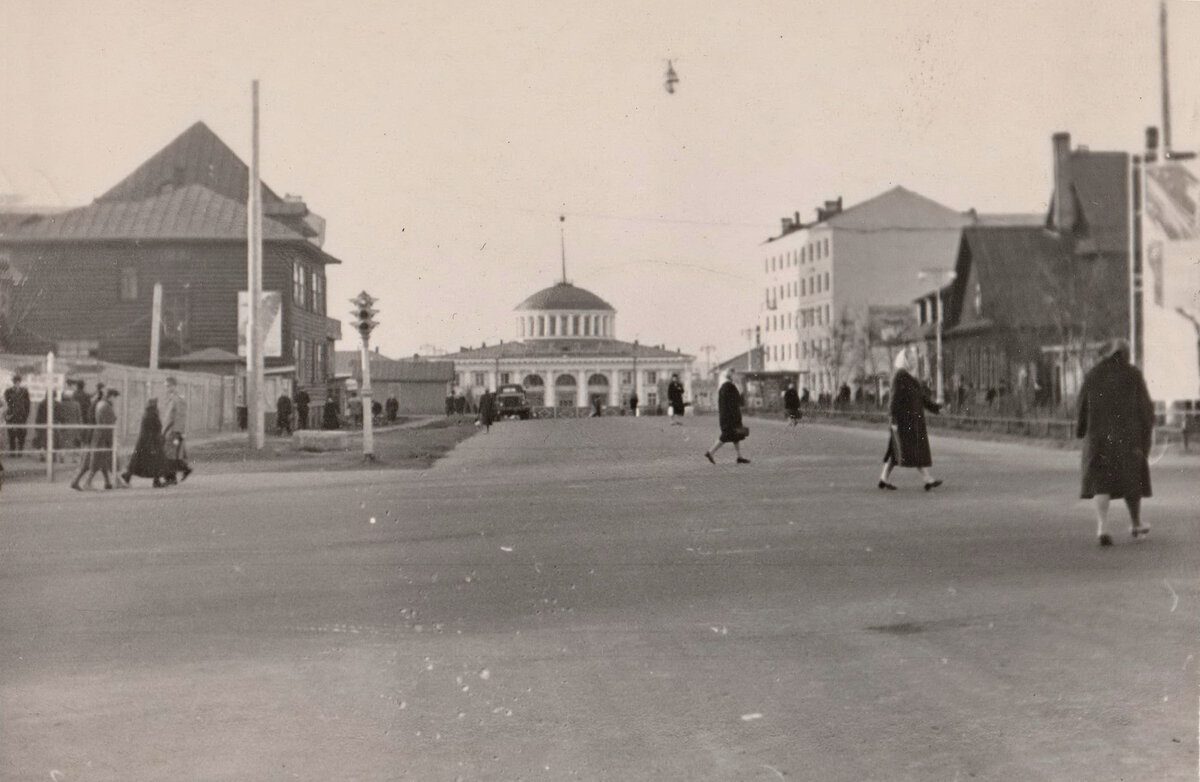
<point>1064,196</point>
<point>786,226</point>
<point>829,210</point>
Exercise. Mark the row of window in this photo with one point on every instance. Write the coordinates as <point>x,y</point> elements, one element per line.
<point>810,316</point>
<point>788,351</point>
<point>308,288</point>
<point>814,283</point>
<point>625,378</point>
<point>806,254</point>
<point>566,325</point>
<point>312,360</point>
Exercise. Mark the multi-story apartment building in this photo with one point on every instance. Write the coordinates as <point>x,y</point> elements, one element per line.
<point>822,277</point>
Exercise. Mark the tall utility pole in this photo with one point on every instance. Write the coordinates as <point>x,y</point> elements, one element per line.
<point>364,323</point>
<point>254,341</point>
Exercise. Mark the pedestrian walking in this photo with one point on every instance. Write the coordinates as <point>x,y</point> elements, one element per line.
<point>908,440</point>
<point>16,413</point>
<point>633,404</point>
<point>487,411</point>
<point>302,401</point>
<point>1116,422</point>
<point>675,402</point>
<point>283,414</point>
<point>729,416</point>
<point>174,434</point>
<point>791,404</point>
<point>392,408</point>
<point>148,459</point>
<point>100,449</point>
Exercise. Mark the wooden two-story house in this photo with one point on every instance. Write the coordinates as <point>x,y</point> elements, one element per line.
<point>80,282</point>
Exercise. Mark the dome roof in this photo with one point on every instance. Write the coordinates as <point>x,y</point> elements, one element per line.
<point>565,296</point>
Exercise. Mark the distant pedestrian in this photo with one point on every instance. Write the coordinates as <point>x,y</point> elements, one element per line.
<point>675,400</point>
<point>393,409</point>
<point>16,413</point>
<point>100,452</point>
<point>174,432</point>
<point>1116,420</point>
<point>329,414</point>
<point>633,404</point>
<point>174,419</point>
<point>148,459</point>
<point>805,398</point>
<point>908,440</point>
<point>487,410</point>
<point>301,400</point>
<point>791,404</point>
<point>729,417</point>
<point>283,414</point>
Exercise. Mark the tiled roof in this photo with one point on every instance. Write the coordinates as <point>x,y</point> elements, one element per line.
<point>191,212</point>
<point>557,348</point>
<point>564,296</point>
<point>195,157</point>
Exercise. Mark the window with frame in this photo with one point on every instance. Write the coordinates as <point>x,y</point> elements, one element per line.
<point>129,283</point>
<point>478,378</point>
<point>651,376</point>
<point>318,293</point>
<point>297,284</point>
<point>626,377</point>
<point>505,377</point>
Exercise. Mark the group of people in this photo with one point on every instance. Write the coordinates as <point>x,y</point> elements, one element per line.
<point>1115,420</point>
<point>160,452</point>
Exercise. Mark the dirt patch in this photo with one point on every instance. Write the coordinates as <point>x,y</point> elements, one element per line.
<point>414,448</point>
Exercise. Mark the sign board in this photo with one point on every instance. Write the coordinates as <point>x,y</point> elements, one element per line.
<point>271,313</point>
<point>1171,281</point>
<point>38,385</point>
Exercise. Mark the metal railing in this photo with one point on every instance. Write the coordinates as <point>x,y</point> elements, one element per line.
<point>48,449</point>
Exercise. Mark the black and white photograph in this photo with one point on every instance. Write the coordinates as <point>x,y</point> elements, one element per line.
<point>521,391</point>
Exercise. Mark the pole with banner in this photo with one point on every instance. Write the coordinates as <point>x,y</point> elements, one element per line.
<point>364,322</point>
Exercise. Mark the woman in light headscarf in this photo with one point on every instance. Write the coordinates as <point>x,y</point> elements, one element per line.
<point>729,416</point>
<point>908,441</point>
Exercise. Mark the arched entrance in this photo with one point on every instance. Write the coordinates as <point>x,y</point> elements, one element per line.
<point>597,390</point>
<point>535,390</point>
<point>564,390</point>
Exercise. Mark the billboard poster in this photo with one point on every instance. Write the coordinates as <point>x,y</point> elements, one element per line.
<point>271,312</point>
<point>1171,281</point>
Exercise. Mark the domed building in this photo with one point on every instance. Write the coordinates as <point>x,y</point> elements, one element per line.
<point>566,355</point>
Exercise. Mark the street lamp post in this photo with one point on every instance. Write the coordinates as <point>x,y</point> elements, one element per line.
<point>943,277</point>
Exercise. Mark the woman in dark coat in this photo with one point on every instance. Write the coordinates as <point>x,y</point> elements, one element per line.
<point>487,410</point>
<point>908,440</point>
<point>1116,420</point>
<point>675,399</point>
<point>329,415</point>
<point>729,416</point>
<point>148,459</point>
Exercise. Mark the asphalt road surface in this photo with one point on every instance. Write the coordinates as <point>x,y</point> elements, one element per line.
<point>590,599</point>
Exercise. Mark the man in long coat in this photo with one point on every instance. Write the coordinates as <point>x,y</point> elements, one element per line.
<point>16,413</point>
<point>487,410</point>
<point>1116,422</point>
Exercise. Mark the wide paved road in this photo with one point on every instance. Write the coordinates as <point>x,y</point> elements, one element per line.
<point>592,600</point>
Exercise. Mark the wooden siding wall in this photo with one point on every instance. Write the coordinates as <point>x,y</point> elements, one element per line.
<point>74,293</point>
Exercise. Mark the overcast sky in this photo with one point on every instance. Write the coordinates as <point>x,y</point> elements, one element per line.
<point>441,141</point>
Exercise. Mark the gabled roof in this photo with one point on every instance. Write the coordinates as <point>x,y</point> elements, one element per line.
<point>560,347</point>
<point>1014,267</point>
<point>564,296</point>
<point>191,212</point>
<point>1100,188</point>
<point>898,207</point>
<point>195,157</point>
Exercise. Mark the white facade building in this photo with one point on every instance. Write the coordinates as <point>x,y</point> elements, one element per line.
<point>566,355</point>
<point>835,268</point>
